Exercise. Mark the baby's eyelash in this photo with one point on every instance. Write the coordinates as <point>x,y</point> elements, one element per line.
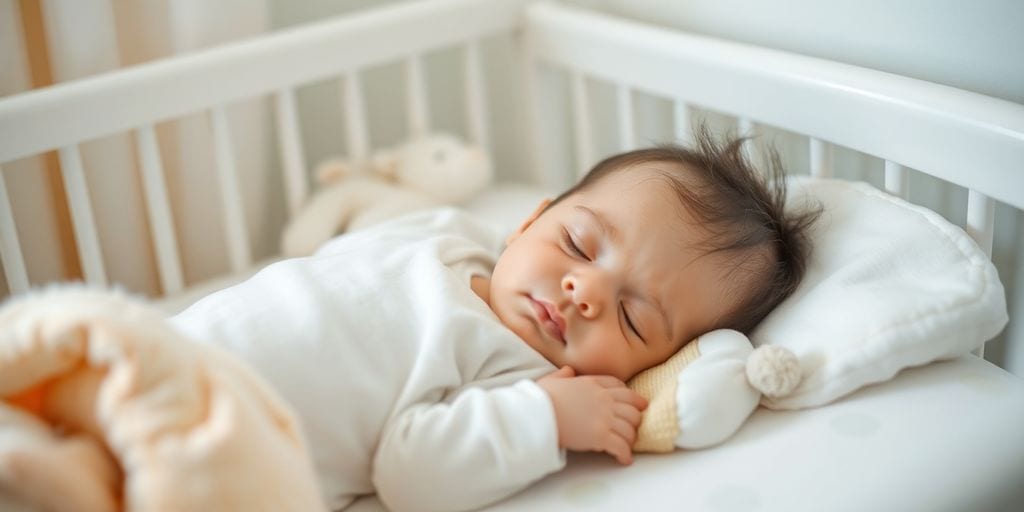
<point>571,244</point>
<point>630,324</point>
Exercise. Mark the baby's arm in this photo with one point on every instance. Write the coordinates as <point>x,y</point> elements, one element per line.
<point>483,446</point>
<point>594,412</point>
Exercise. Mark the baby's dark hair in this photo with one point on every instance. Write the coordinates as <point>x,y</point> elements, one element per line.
<point>740,209</point>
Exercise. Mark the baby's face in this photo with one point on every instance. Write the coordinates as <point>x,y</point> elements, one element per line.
<point>607,281</point>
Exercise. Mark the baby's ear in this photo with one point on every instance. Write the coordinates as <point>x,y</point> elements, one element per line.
<point>529,220</point>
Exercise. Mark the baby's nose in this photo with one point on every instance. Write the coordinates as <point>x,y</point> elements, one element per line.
<point>583,295</point>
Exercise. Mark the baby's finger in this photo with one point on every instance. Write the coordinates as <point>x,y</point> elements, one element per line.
<point>628,396</point>
<point>624,430</point>
<point>629,413</point>
<point>607,381</point>
<point>617,447</point>
<point>561,373</point>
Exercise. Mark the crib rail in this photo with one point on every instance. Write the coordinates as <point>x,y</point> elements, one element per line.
<point>935,129</point>
<point>85,109</point>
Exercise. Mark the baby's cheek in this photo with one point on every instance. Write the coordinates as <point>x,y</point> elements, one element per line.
<point>606,359</point>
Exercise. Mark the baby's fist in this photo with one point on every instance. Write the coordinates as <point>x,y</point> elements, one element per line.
<point>595,413</point>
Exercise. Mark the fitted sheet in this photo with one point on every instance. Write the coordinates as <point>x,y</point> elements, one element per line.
<point>944,437</point>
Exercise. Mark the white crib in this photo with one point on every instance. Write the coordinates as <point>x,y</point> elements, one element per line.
<point>883,448</point>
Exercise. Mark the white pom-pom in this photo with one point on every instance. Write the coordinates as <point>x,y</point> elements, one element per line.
<point>773,370</point>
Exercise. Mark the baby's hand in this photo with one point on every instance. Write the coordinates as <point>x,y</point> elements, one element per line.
<point>594,412</point>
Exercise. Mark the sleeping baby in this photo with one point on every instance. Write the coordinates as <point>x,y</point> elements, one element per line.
<point>443,368</point>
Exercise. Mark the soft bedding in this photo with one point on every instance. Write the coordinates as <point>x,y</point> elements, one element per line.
<point>939,438</point>
<point>106,407</point>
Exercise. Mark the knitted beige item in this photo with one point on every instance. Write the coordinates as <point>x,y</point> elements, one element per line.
<point>659,427</point>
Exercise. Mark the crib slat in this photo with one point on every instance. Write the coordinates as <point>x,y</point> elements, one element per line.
<point>627,137</point>
<point>476,99</point>
<point>416,89</point>
<point>681,122</point>
<point>82,220</point>
<point>981,227</point>
<point>528,64</point>
<point>289,137</point>
<point>897,179</point>
<point>821,158</point>
<point>355,118</point>
<point>581,123</point>
<point>981,219</point>
<point>227,172</point>
<point>159,210</point>
<point>10,249</point>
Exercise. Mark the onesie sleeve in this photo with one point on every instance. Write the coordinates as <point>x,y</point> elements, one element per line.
<point>483,446</point>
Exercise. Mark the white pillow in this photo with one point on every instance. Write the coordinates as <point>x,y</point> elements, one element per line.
<point>889,285</point>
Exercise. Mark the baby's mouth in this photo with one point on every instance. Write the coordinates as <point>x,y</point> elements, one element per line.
<point>550,320</point>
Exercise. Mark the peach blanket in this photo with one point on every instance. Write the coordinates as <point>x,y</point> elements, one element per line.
<point>106,407</point>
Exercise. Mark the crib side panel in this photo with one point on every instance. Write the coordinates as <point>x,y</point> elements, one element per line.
<point>203,86</point>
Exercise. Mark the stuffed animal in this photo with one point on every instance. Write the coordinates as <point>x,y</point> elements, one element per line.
<point>703,394</point>
<point>426,171</point>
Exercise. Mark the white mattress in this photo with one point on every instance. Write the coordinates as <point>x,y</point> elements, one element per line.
<point>944,437</point>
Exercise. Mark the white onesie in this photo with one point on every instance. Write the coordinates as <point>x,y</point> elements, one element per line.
<point>406,383</point>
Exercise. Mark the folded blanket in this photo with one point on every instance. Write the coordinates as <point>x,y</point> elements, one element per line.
<point>106,407</point>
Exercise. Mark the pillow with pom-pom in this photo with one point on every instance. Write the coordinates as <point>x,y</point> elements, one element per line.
<point>889,285</point>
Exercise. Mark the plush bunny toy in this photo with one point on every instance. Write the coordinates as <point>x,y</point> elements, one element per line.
<point>706,391</point>
<point>426,171</point>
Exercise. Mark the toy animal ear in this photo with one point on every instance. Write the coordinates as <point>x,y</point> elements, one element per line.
<point>385,164</point>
